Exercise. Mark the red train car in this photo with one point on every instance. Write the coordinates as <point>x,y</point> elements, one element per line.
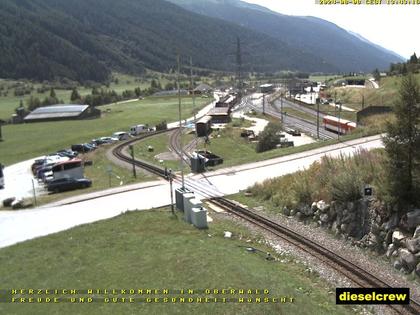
<point>341,126</point>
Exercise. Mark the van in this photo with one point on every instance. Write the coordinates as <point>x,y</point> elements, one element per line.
<point>1,177</point>
<point>121,135</point>
<point>138,129</point>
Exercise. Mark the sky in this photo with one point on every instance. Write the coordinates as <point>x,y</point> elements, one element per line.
<point>394,27</point>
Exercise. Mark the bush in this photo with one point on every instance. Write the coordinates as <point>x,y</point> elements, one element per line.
<point>269,138</point>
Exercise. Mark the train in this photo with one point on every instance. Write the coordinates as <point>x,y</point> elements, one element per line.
<point>227,101</point>
<point>338,125</point>
<point>203,126</point>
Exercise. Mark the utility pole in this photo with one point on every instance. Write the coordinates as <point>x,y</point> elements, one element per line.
<point>171,191</point>
<point>33,189</point>
<point>317,120</point>
<point>339,121</point>
<point>363,101</point>
<point>132,160</point>
<point>281,107</point>
<point>180,122</point>
<point>263,104</point>
<point>335,103</point>
<point>239,66</point>
<point>192,90</point>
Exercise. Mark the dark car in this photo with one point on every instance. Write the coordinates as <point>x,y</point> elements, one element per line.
<point>98,141</point>
<point>294,132</point>
<point>82,148</point>
<point>68,183</point>
<point>67,153</point>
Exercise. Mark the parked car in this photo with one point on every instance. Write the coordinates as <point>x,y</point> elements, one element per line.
<point>68,153</point>
<point>293,132</point>
<point>98,141</point>
<point>44,171</point>
<point>109,139</point>
<point>82,148</point>
<point>121,135</point>
<point>68,183</point>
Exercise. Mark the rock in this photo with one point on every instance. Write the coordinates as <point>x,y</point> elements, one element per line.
<point>292,212</point>
<point>375,228</point>
<point>413,218</point>
<point>372,240</point>
<point>397,264</point>
<point>306,210</point>
<point>299,215</point>
<point>397,237</point>
<point>388,237</point>
<point>313,206</point>
<point>227,234</point>
<point>286,211</point>
<point>324,218</point>
<point>408,260</point>
<point>332,213</point>
<point>344,227</point>
<point>390,250</point>
<point>351,206</point>
<point>413,245</point>
<point>417,270</point>
<point>334,228</point>
<point>322,206</point>
<point>417,232</point>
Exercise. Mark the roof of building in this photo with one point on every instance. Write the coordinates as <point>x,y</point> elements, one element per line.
<point>219,111</point>
<point>57,111</point>
<point>203,87</point>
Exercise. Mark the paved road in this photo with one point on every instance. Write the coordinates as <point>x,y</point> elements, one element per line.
<point>18,226</point>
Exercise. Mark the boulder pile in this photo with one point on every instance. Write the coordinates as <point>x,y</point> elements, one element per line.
<point>370,224</point>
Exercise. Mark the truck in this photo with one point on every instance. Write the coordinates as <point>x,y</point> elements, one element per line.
<point>138,129</point>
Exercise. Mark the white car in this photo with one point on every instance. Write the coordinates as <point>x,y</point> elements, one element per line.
<point>121,135</point>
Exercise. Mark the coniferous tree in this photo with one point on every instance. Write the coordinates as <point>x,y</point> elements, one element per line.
<point>402,145</point>
<point>75,96</point>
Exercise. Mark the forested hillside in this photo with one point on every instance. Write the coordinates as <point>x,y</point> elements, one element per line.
<point>86,39</point>
<point>344,50</point>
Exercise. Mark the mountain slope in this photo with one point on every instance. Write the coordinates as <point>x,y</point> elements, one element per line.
<point>309,34</point>
<point>85,39</point>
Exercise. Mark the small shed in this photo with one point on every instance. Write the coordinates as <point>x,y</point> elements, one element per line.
<point>220,115</point>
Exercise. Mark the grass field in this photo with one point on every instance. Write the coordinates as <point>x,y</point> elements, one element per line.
<point>10,102</point>
<point>160,144</point>
<point>154,250</point>
<point>30,140</point>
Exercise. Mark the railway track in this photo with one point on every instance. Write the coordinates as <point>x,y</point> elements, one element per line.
<point>174,143</point>
<point>356,274</point>
<point>294,121</point>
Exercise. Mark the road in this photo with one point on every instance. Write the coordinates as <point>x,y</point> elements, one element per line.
<point>21,225</point>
